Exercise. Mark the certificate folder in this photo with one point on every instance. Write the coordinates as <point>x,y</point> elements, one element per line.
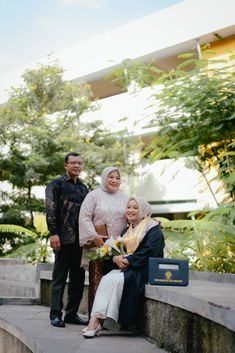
<point>170,272</point>
<point>101,229</point>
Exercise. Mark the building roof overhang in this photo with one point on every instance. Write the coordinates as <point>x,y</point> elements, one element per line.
<point>159,37</point>
<point>165,59</point>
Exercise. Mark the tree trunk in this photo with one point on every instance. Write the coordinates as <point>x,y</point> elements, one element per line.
<point>29,198</point>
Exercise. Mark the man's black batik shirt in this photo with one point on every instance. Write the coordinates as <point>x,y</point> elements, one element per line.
<point>63,202</point>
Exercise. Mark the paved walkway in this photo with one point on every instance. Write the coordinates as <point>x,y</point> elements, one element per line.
<point>31,325</point>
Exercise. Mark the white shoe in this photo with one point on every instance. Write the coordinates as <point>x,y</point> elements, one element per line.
<point>92,333</point>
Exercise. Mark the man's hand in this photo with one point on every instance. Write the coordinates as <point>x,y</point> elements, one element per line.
<point>121,261</point>
<point>55,242</point>
<point>99,240</point>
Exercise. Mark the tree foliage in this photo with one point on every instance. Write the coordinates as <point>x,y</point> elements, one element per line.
<point>208,241</point>
<point>25,243</point>
<point>195,116</point>
<point>40,123</point>
<point>194,111</point>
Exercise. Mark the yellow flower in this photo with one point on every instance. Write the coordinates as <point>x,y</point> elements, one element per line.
<point>111,247</point>
<point>104,250</point>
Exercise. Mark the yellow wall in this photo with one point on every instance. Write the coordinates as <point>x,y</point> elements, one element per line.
<point>221,47</point>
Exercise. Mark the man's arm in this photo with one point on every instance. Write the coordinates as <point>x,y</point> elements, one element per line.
<point>52,203</point>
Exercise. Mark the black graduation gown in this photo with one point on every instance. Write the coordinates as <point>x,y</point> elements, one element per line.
<point>136,276</point>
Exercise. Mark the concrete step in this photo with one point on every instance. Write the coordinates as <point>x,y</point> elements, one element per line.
<point>20,282</point>
<point>17,289</point>
<point>19,300</point>
<point>18,272</point>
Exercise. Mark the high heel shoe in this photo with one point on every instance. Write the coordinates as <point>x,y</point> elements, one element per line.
<point>92,333</point>
<point>85,329</point>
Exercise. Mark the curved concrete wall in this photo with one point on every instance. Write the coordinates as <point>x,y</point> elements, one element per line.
<point>14,340</point>
<point>180,331</point>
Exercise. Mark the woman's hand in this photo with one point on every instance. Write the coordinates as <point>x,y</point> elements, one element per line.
<point>125,261</point>
<point>99,240</point>
<point>121,261</point>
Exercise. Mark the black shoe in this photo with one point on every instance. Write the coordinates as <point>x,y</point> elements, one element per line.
<point>57,322</point>
<point>75,320</point>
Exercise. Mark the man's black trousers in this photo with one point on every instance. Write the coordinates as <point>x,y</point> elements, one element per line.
<point>67,262</point>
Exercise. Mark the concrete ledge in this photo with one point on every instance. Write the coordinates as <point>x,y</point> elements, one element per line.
<point>211,295</point>
<point>199,318</point>
<point>47,275</point>
<point>214,301</point>
<point>9,261</point>
<point>213,277</point>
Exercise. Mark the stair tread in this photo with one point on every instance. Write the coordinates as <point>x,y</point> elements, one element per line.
<point>19,283</point>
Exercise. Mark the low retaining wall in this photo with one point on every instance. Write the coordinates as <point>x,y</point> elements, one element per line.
<point>46,288</point>
<point>15,340</point>
<point>199,318</point>
<point>13,344</point>
<point>180,331</point>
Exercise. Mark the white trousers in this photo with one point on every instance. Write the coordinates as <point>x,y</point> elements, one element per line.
<point>108,296</point>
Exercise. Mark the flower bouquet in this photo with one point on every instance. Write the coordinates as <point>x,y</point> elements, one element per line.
<point>111,247</point>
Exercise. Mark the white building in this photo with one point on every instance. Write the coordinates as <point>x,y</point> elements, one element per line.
<point>159,37</point>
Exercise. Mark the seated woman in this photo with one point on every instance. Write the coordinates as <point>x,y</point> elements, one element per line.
<point>120,292</point>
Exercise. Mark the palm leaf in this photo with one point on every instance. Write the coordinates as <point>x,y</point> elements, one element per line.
<point>17,230</point>
<point>198,225</point>
<point>23,252</point>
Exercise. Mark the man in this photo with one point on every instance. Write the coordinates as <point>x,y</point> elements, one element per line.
<point>64,197</point>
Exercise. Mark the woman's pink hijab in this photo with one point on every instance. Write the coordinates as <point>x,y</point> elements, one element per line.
<point>105,175</point>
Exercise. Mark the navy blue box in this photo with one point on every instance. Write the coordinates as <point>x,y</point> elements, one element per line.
<point>170,272</point>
